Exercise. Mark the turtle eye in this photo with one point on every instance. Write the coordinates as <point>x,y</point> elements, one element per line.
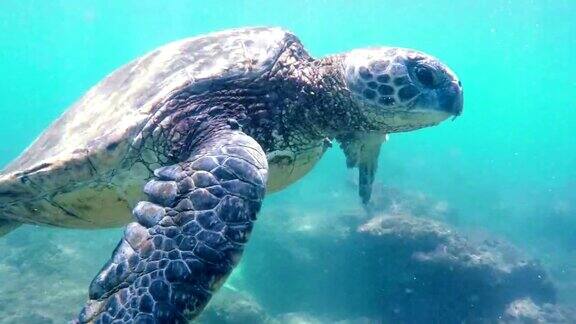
<point>425,76</point>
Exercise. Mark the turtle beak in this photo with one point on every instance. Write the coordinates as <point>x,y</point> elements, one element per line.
<point>452,99</point>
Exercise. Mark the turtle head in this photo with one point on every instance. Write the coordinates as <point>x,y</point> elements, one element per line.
<point>393,90</point>
<point>399,89</point>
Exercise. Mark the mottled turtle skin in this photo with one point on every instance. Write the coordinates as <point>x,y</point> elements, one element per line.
<point>186,141</point>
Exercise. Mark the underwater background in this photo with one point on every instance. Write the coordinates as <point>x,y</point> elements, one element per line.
<point>473,220</point>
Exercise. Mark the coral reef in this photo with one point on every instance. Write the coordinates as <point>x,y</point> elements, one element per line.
<point>44,272</point>
<point>526,311</point>
<point>390,265</point>
<point>231,307</point>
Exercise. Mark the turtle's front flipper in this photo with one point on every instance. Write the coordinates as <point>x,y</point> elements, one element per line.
<point>187,238</point>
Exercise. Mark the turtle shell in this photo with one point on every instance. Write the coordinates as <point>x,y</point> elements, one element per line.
<point>73,175</point>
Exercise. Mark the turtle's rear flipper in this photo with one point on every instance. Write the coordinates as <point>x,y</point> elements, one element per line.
<point>7,226</point>
<point>362,151</point>
<point>187,238</point>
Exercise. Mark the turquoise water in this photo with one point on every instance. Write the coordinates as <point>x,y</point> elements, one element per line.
<point>504,169</point>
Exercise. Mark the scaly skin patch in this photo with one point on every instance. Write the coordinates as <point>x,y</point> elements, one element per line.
<point>189,236</point>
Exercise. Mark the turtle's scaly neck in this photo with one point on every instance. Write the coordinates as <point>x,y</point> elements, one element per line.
<point>330,110</point>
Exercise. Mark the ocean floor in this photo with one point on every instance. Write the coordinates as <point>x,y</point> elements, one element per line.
<point>398,262</point>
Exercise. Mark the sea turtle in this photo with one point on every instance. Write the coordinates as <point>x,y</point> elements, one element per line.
<point>191,136</point>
